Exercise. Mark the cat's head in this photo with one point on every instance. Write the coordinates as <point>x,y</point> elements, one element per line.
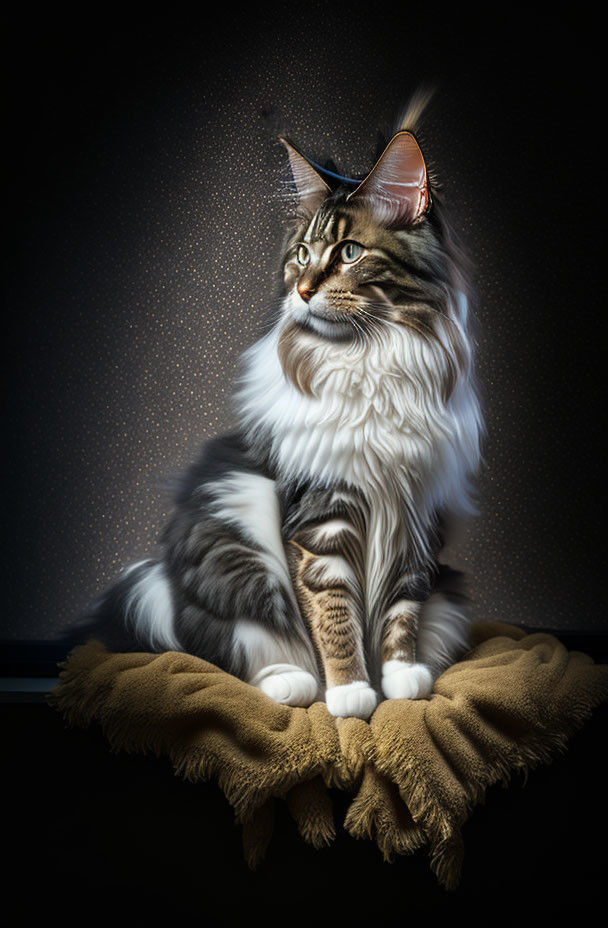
<point>368,259</point>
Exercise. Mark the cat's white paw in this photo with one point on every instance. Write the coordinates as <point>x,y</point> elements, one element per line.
<point>352,700</point>
<point>287,684</point>
<point>402,680</point>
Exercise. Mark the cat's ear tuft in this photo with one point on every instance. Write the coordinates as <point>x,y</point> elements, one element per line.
<point>310,187</point>
<point>396,190</point>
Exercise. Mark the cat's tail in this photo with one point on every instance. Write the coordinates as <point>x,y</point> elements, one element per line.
<point>135,614</point>
<point>445,623</point>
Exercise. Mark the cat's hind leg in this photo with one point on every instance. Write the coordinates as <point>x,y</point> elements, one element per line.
<point>283,669</point>
<point>237,608</point>
<point>287,684</point>
<point>445,623</point>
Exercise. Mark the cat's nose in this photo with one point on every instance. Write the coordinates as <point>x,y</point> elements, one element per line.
<point>305,290</point>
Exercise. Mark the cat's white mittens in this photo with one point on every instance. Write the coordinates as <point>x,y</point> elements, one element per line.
<point>352,700</point>
<point>402,680</point>
<point>287,684</point>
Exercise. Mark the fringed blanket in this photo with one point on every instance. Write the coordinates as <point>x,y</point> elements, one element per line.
<point>416,769</point>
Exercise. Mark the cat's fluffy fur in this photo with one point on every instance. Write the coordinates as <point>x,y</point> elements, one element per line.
<point>352,447</point>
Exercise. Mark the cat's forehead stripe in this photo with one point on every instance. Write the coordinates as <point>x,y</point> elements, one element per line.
<point>322,225</point>
<point>328,226</point>
<point>308,237</point>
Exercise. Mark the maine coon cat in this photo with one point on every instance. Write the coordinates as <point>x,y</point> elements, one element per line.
<point>302,554</point>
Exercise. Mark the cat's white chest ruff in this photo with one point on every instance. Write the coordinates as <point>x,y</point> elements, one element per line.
<point>342,436</point>
<point>356,426</point>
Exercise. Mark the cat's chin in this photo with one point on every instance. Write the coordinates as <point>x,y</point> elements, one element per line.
<point>329,329</point>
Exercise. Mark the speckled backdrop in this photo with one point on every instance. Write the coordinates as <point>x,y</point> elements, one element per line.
<point>144,241</point>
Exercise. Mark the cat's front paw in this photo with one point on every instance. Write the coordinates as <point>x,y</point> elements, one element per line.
<point>403,680</point>
<point>351,700</point>
<point>287,684</point>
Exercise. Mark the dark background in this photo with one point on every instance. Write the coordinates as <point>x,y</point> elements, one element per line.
<point>142,242</point>
<point>142,226</point>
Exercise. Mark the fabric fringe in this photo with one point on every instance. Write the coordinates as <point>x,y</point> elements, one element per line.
<point>257,834</point>
<point>311,809</point>
<point>378,813</point>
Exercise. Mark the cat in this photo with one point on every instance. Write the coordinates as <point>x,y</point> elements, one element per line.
<point>302,553</point>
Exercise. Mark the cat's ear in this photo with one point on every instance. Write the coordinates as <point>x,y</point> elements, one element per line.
<point>396,190</point>
<point>310,186</point>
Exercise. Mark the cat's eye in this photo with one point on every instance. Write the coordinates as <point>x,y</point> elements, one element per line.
<point>350,252</point>
<point>302,255</point>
